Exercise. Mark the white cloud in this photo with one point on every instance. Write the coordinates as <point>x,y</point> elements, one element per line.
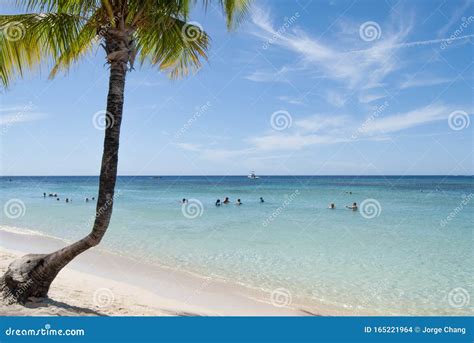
<point>335,98</point>
<point>295,141</point>
<point>292,100</point>
<point>369,97</point>
<point>12,115</point>
<point>324,130</point>
<point>318,122</point>
<point>189,146</point>
<point>355,69</point>
<point>424,82</point>
<point>403,121</point>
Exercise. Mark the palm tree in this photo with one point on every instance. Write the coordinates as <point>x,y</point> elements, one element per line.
<point>61,32</point>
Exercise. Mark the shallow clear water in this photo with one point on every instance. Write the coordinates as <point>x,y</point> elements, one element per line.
<point>413,257</point>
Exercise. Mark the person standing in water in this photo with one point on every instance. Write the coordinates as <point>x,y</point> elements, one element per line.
<point>226,200</point>
<point>332,206</point>
<point>261,200</point>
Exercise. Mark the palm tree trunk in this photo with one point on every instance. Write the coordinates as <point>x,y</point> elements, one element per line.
<point>32,275</point>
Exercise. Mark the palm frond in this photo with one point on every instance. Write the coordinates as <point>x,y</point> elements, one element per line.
<point>172,44</point>
<point>30,40</point>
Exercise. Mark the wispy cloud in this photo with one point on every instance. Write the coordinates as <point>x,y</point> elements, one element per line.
<point>424,82</point>
<point>455,17</point>
<point>326,129</point>
<point>352,68</point>
<point>11,115</point>
<point>403,121</point>
<point>358,69</point>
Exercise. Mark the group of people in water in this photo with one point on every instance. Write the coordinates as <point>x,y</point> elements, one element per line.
<point>225,202</point>
<point>55,195</point>
<point>353,207</point>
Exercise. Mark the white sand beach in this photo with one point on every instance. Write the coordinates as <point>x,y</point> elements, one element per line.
<point>99,283</point>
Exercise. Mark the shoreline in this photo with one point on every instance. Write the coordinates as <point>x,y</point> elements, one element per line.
<point>112,284</point>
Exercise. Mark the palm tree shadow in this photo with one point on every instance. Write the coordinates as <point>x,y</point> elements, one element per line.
<point>47,302</point>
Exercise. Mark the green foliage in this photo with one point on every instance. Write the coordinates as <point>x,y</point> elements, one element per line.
<point>59,33</point>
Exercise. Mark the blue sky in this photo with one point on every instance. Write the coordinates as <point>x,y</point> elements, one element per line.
<point>302,87</point>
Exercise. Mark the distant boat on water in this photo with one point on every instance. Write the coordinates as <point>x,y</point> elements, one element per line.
<point>253,176</point>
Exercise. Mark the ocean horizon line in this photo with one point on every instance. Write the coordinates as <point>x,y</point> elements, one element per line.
<point>260,175</point>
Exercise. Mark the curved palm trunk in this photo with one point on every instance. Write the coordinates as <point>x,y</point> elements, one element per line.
<point>32,275</point>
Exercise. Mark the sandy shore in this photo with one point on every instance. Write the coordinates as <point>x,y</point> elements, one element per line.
<point>101,283</point>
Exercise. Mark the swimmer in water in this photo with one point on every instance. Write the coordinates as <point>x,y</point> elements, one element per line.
<point>67,199</point>
<point>226,200</point>
<point>184,201</point>
<point>218,202</point>
<point>353,207</point>
<point>238,202</point>
<point>261,200</point>
<point>332,206</point>
<point>87,199</point>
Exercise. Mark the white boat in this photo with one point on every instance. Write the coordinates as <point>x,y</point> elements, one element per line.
<point>252,176</point>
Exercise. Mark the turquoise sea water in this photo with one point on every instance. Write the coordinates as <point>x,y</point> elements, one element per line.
<point>408,250</point>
